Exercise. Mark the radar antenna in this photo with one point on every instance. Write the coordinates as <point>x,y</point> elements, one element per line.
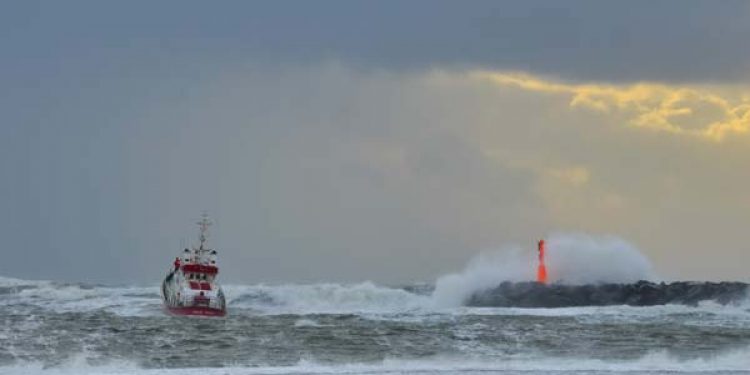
<point>204,224</point>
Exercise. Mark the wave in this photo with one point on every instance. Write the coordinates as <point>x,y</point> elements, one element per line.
<point>657,362</point>
<point>490,279</point>
<point>11,282</point>
<point>362,298</point>
<point>265,299</point>
<point>72,297</point>
<point>325,298</point>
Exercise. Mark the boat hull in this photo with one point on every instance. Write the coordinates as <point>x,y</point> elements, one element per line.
<point>195,311</point>
<point>183,301</point>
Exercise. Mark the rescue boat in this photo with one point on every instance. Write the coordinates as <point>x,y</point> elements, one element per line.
<point>190,287</point>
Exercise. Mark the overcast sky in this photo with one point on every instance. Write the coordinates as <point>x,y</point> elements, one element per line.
<point>387,141</point>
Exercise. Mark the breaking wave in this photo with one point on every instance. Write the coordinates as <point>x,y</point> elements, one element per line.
<point>76,297</point>
<point>325,298</point>
<point>656,362</point>
<point>265,299</point>
<point>572,259</point>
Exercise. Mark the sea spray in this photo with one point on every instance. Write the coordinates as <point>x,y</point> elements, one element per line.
<point>484,271</point>
<point>573,259</point>
<point>578,259</point>
<point>324,298</point>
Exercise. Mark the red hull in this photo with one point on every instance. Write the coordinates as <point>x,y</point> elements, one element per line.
<point>196,311</point>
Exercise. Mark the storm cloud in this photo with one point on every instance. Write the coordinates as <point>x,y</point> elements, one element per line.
<point>673,41</point>
<point>386,141</point>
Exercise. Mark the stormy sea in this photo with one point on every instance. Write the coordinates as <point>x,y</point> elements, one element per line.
<point>484,319</point>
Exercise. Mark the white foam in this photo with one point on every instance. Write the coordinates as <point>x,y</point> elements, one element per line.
<point>80,363</point>
<point>11,282</point>
<point>572,258</point>
<point>58,292</point>
<point>578,259</point>
<point>484,271</point>
<point>324,298</point>
<point>306,323</point>
<point>76,298</point>
<point>656,362</point>
<point>269,299</point>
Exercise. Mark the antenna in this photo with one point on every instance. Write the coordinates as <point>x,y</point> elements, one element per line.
<point>204,224</point>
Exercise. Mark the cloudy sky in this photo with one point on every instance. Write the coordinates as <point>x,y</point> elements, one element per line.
<point>387,141</point>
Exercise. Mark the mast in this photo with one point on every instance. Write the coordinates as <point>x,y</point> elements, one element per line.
<point>203,225</point>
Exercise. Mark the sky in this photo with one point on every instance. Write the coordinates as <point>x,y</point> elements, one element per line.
<point>388,141</point>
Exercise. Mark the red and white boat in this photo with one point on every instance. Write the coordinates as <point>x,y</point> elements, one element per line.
<point>190,287</point>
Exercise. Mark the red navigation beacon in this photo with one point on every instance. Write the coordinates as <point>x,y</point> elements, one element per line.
<point>541,272</point>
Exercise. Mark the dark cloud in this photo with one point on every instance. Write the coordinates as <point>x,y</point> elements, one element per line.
<point>122,121</point>
<point>582,40</point>
<point>330,173</point>
<point>317,174</point>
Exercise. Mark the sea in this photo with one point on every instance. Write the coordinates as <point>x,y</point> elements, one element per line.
<point>49,327</point>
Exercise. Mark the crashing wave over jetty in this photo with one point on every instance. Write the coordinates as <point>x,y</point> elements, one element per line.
<point>642,293</point>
